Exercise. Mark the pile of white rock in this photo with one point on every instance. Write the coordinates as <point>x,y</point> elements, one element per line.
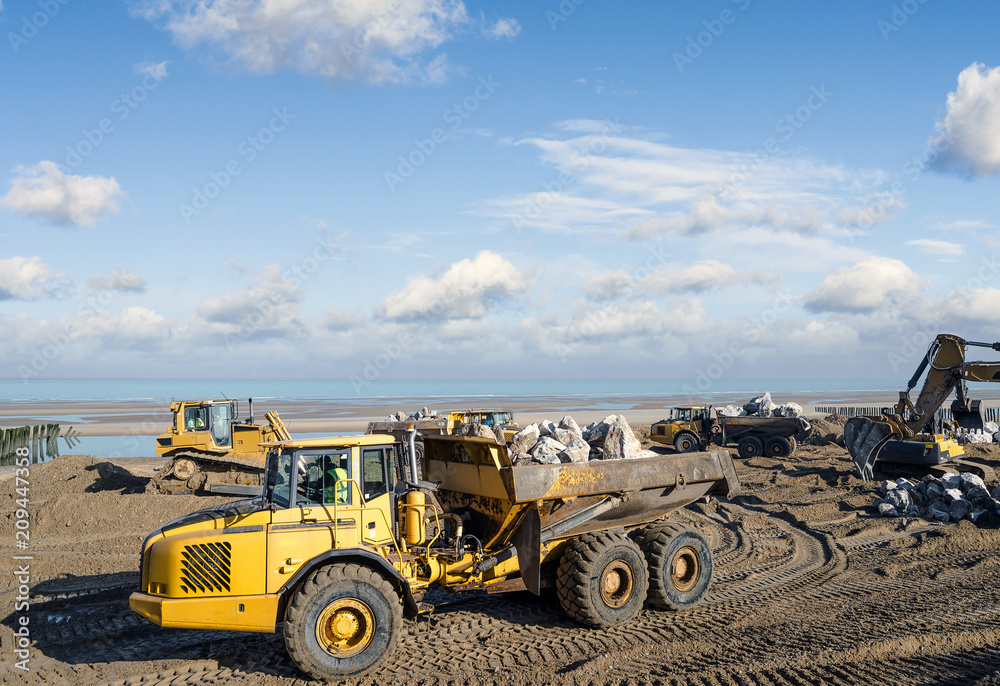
<point>988,434</point>
<point>949,498</point>
<point>549,443</point>
<point>762,406</point>
<point>423,413</point>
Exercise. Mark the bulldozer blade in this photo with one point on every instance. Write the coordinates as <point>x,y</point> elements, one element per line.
<point>864,439</point>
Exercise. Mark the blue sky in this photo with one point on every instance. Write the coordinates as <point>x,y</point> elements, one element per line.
<point>429,188</point>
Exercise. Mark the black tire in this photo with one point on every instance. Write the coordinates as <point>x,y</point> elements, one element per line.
<point>680,565</point>
<point>347,602</point>
<point>686,443</point>
<point>778,446</point>
<point>750,446</point>
<point>602,579</point>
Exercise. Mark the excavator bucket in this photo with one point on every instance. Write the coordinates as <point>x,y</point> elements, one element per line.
<point>864,439</point>
<point>971,418</point>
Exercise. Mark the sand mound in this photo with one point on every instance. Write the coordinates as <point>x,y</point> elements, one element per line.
<point>827,430</point>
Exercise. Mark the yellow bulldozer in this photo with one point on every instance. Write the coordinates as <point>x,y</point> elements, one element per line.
<point>211,450</point>
<point>345,540</point>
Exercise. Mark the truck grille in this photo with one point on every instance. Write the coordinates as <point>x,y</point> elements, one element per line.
<point>205,567</point>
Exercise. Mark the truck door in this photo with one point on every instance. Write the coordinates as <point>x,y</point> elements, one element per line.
<point>378,522</point>
<point>220,423</point>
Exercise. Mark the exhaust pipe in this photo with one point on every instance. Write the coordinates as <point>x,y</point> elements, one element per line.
<point>411,434</point>
<point>250,403</point>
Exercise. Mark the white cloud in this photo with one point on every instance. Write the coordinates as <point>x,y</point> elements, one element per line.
<point>929,246</point>
<point>644,188</point>
<point>609,286</point>
<point>467,288</point>
<point>969,138</point>
<point>157,70</point>
<point>44,191</point>
<point>863,287</point>
<point>580,81</point>
<point>28,278</point>
<point>268,306</point>
<point>356,39</point>
<point>699,277</point>
<point>981,304</point>
<point>961,225</point>
<point>123,280</point>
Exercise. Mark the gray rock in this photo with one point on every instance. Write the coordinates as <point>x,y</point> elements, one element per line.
<point>522,459</point>
<point>953,494</point>
<point>524,440</point>
<point>951,481</point>
<point>904,484</point>
<point>899,499</point>
<point>595,433</point>
<point>596,453</point>
<point>934,490</point>
<point>887,510</point>
<point>547,450</point>
<point>732,411</point>
<point>976,513</point>
<point>995,493</point>
<point>762,406</point>
<point>577,450</point>
<point>960,508</point>
<point>564,436</point>
<point>939,511</point>
<point>546,427</point>
<point>886,487</point>
<point>788,410</point>
<point>620,442</point>
<point>480,431</point>
<point>969,480</point>
<point>569,424</point>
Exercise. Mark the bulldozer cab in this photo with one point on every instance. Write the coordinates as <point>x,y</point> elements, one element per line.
<point>215,417</point>
<point>687,413</point>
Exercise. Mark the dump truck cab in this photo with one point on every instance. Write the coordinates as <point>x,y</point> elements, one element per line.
<point>687,429</point>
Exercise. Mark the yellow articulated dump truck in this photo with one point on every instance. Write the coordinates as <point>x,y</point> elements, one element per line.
<point>344,541</point>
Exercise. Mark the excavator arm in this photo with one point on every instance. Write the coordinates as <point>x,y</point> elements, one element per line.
<point>946,371</point>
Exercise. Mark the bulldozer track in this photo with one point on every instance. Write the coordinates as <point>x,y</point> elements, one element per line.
<point>769,566</point>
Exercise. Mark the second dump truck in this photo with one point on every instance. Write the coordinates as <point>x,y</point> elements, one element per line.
<point>345,541</point>
<point>693,427</point>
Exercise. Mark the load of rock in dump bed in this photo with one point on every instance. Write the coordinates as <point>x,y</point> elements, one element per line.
<point>549,443</point>
<point>762,406</point>
<point>949,498</point>
<point>423,413</point>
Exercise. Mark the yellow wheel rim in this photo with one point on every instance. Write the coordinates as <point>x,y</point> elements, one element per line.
<point>345,627</point>
<point>616,584</point>
<point>685,569</point>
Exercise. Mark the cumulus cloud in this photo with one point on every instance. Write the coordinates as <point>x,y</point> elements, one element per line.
<point>360,39</point>
<point>699,277</point>
<point>267,307</point>
<point>969,138</point>
<point>28,278</point>
<point>467,289</point>
<point>122,280</point>
<point>44,191</point>
<point>863,287</point>
<point>981,304</point>
<point>929,246</point>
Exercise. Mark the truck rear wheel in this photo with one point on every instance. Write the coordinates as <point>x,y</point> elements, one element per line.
<point>602,579</point>
<point>750,446</point>
<point>778,446</point>
<point>686,443</point>
<point>342,621</point>
<point>680,565</point>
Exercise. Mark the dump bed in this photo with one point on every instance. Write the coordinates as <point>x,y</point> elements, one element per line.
<point>734,427</point>
<point>476,477</point>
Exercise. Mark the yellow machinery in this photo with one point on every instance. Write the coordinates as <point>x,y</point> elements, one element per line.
<point>211,450</point>
<point>906,438</point>
<point>344,542</point>
<point>692,427</point>
<point>446,425</point>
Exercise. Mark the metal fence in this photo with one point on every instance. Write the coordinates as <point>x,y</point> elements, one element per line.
<point>990,414</point>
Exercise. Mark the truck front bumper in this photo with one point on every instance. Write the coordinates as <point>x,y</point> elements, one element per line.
<point>257,613</point>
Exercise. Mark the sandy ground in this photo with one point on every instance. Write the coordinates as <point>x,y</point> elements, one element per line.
<point>811,586</point>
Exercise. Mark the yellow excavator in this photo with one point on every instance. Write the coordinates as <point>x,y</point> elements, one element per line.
<point>907,438</point>
<point>210,450</point>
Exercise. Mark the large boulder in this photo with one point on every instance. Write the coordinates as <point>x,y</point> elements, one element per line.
<point>564,436</point>
<point>569,424</point>
<point>732,411</point>
<point>524,440</point>
<point>546,427</point>
<point>480,431</point>
<point>595,432</point>
<point>619,441</point>
<point>788,410</point>
<point>577,450</point>
<point>761,406</point>
<point>547,450</point>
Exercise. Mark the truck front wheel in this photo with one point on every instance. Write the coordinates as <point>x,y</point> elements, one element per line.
<point>602,579</point>
<point>342,622</point>
<point>686,443</point>
<point>680,565</point>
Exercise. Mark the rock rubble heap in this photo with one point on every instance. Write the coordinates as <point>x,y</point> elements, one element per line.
<point>548,443</point>
<point>423,413</point>
<point>762,406</point>
<point>949,498</point>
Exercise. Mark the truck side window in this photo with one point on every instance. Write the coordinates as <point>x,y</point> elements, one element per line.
<point>376,478</point>
<point>323,479</point>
